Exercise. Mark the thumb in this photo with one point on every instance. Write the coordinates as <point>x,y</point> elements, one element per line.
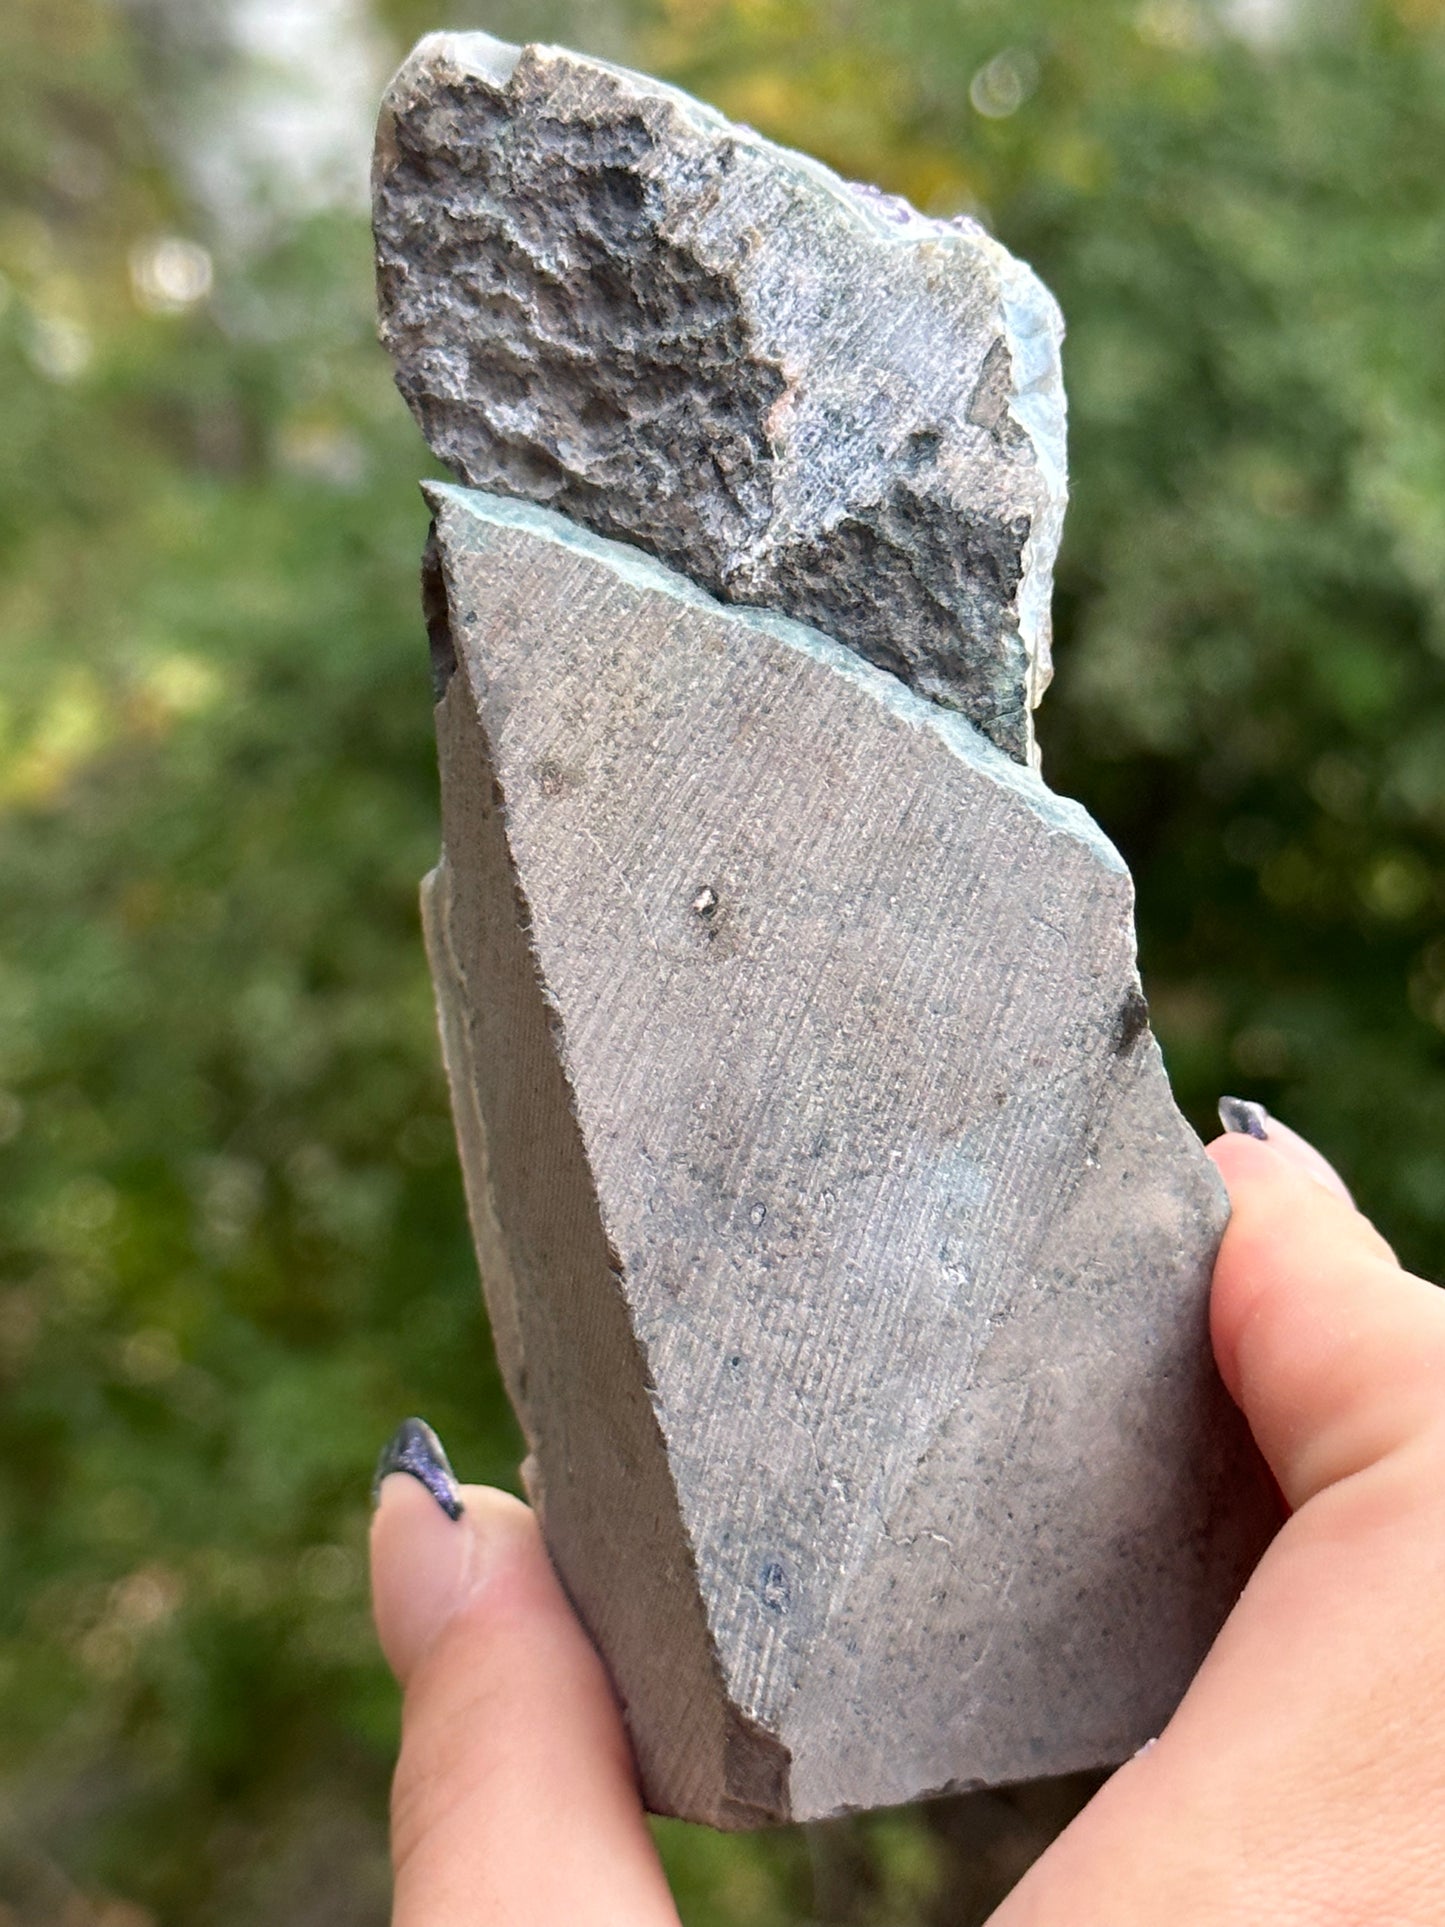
<point>1334,1353</point>
<point>514,1796</point>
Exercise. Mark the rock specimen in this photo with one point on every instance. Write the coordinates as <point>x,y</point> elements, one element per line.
<point>603,297</point>
<point>846,1253</point>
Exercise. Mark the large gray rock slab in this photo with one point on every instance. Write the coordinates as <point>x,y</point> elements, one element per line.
<point>847,1256</point>
<point>604,297</point>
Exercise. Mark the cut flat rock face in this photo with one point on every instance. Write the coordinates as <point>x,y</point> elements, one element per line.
<point>602,296</point>
<point>847,1256</point>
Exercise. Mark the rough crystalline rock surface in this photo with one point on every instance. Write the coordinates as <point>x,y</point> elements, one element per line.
<point>847,1256</point>
<point>603,297</point>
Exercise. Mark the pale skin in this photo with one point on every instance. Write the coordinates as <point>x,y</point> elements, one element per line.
<point>1301,1783</point>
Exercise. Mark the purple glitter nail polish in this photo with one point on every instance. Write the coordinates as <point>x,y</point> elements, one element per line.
<point>1244,1117</point>
<point>414,1448</point>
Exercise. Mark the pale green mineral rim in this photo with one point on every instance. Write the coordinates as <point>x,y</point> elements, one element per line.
<point>478,509</point>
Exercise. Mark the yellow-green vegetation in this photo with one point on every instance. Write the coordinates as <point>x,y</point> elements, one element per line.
<point>234,1251</point>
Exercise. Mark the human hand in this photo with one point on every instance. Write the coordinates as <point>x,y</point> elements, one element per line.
<point>1301,1781</point>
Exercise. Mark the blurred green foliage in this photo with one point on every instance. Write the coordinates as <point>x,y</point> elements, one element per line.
<point>233,1242</point>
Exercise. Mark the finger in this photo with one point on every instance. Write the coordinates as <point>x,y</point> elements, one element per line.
<point>1240,1115</point>
<point>514,1797</point>
<point>1335,1354</point>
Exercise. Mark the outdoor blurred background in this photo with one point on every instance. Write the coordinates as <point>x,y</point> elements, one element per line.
<point>234,1246</point>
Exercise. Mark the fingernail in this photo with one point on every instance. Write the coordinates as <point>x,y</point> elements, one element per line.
<point>414,1448</point>
<point>1243,1116</point>
<point>1248,1119</point>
